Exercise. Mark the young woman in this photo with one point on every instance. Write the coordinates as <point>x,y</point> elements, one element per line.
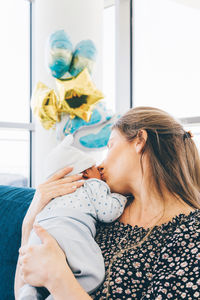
<point>153,250</point>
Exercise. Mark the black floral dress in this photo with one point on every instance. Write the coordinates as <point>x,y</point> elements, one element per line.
<point>166,266</point>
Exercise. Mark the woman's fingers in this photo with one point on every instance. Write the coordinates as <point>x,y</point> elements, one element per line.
<point>69,179</point>
<point>38,264</point>
<point>56,185</point>
<point>41,233</point>
<point>47,191</point>
<point>62,189</point>
<point>22,250</point>
<point>20,260</point>
<point>61,173</point>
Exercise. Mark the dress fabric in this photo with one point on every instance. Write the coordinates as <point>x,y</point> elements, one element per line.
<point>165,266</point>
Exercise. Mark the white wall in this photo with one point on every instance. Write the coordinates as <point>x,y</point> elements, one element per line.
<point>81,20</point>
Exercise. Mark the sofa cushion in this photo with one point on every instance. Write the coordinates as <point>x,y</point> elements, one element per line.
<point>14,202</point>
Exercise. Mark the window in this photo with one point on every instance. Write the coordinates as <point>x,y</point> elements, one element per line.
<point>166,60</point>
<point>14,158</point>
<point>15,78</point>
<point>15,136</point>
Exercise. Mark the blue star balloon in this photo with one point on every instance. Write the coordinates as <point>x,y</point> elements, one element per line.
<point>95,138</point>
<point>91,135</point>
<point>99,115</point>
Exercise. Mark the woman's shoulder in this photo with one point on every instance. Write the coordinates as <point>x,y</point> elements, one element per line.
<point>189,223</point>
<point>188,231</point>
<point>182,220</point>
<point>185,237</point>
<point>182,226</point>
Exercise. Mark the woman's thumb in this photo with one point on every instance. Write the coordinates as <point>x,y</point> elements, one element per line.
<point>41,232</point>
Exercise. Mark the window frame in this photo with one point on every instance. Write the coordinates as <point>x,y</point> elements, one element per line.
<point>26,126</point>
<point>124,44</point>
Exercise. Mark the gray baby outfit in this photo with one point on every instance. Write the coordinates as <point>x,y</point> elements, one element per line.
<point>71,220</point>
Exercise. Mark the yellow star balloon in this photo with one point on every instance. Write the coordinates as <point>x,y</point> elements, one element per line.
<point>77,95</point>
<point>44,104</point>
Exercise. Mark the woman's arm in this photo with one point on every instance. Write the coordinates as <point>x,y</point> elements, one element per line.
<point>55,186</point>
<point>19,282</point>
<point>45,265</point>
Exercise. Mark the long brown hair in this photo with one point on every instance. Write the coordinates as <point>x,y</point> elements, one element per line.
<point>173,156</point>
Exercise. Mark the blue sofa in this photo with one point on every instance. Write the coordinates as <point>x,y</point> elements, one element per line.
<point>14,202</point>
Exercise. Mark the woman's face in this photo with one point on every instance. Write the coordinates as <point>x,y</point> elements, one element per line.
<point>121,164</point>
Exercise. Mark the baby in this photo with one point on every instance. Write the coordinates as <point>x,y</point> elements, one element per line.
<point>71,219</point>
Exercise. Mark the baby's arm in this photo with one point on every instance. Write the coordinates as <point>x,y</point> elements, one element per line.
<point>109,206</point>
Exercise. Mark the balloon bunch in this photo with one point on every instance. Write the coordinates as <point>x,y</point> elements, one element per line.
<point>63,61</point>
<point>74,108</point>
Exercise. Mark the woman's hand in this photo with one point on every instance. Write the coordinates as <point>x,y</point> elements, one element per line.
<point>40,263</point>
<point>56,185</point>
<point>45,265</point>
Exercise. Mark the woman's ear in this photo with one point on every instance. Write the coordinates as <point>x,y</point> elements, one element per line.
<point>141,140</point>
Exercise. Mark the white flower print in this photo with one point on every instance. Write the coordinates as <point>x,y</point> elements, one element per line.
<point>136,264</point>
<point>122,272</point>
<point>128,291</point>
<point>180,272</point>
<point>118,280</point>
<point>167,265</point>
<point>184,264</point>
<point>139,274</point>
<point>119,290</point>
<point>194,250</point>
<point>183,295</point>
<point>189,284</point>
<point>198,256</point>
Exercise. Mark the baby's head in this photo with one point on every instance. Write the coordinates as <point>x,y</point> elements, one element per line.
<point>92,172</point>
<point>65,154</point>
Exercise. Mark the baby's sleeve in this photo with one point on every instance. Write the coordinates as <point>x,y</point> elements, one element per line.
<point>108,206</point>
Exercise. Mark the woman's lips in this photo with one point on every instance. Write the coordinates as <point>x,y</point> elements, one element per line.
<point>101,174</point>
<point>102,177</point>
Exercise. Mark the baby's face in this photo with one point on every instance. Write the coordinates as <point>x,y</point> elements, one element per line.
<point>92,172</point>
